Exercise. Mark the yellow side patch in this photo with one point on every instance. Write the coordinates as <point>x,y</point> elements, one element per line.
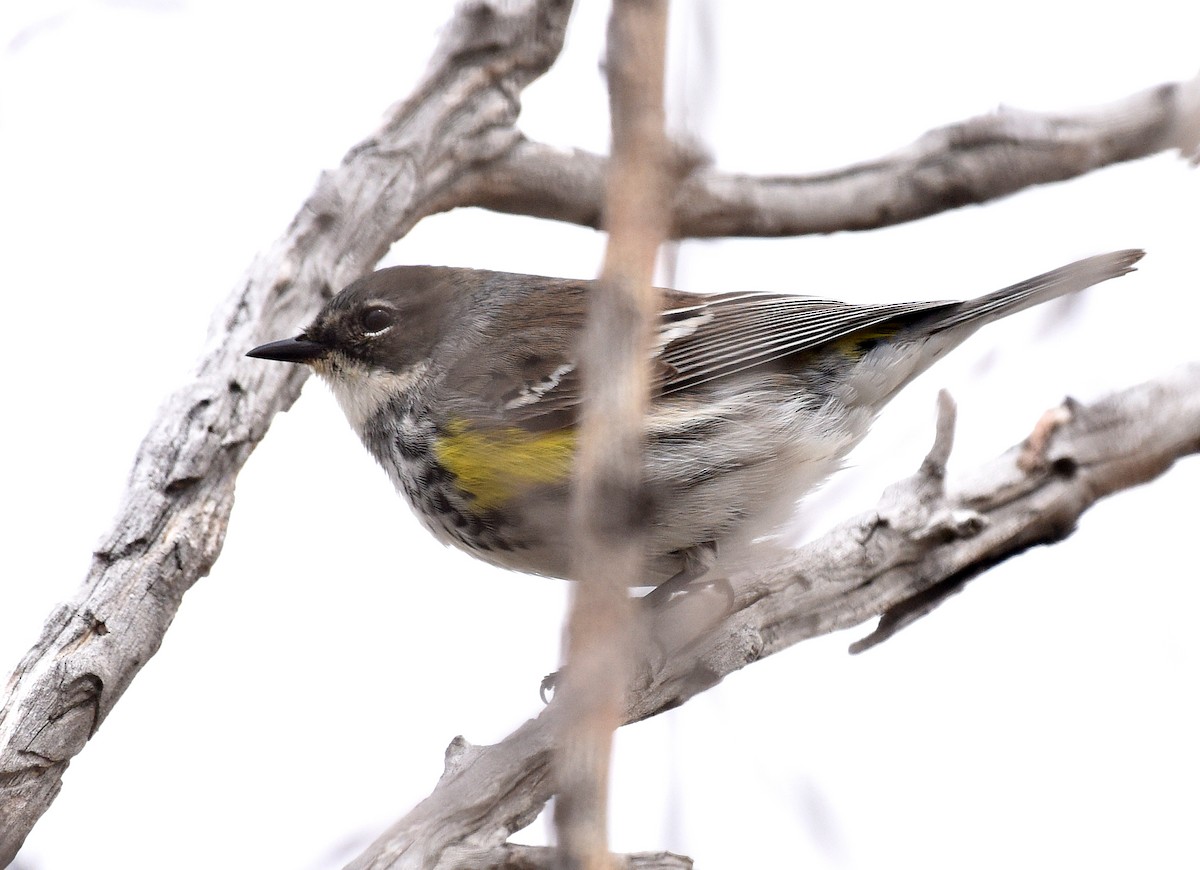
<point>495,465</point>
<point>856,344</point>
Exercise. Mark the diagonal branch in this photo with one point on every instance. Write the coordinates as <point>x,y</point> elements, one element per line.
<point>452,143</point>
<point>170,528</point>
<point>515,857</point>
<point>970,162</point>
<point>919,538</point>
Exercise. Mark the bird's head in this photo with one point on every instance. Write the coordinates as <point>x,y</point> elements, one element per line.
<point>375,339</point>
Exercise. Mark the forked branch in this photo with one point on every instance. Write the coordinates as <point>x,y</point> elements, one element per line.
<point>453,143</point>
<point>919,538</point>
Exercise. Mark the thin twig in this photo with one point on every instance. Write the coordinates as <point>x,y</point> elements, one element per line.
<point>608,498</point>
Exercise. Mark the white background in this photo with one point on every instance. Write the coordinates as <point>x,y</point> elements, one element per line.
<point>303,697</point>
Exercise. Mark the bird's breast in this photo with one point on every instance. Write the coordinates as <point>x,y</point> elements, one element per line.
<point>477,488</point>
<point>496,467</point>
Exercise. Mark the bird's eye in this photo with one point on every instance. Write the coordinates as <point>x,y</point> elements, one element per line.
<point>376,319</point>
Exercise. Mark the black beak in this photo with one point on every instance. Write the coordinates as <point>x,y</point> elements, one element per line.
<point>294,350</point>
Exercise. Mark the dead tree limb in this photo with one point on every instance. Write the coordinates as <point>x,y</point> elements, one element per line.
<point>965,163</point>
<point>543,858</point>
<point>454,142</point>
<point>919,539</point>
<point>170,528</point>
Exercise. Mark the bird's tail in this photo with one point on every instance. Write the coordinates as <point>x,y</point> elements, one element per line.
<point>1034,291</point>
<point>932,330</point>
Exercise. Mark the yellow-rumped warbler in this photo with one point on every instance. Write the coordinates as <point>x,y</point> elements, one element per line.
<point>464,385</point>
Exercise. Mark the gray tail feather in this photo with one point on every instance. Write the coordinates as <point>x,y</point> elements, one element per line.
<point>1043,288</point>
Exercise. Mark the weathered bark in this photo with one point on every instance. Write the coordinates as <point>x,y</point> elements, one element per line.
<point>169,530</point>
<point>919,544</point>
<point>966,163</point>
<point>453,143</point>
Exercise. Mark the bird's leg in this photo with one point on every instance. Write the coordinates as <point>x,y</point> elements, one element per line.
<point>684,609</point>
<point>697,561</point>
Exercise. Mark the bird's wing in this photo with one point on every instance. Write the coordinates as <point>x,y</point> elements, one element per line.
<point>699,339</point>
<point>719,336</point>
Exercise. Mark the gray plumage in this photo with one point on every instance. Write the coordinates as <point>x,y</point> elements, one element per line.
<point>756,397</point>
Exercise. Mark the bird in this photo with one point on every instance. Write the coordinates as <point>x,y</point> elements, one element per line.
<point>465,386</point>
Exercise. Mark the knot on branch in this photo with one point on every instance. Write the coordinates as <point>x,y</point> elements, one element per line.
<point>532,31</point>
<point>1033,457</point>
<point>951,525</point>
<point>460,752</point>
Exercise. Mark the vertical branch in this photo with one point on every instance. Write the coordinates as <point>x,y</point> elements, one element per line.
<point>609,500</point>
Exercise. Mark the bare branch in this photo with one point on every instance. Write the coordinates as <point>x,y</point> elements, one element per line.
<point>973,161</point>
<point>542,858</point>
<point>921,538</point>
<point>608,498</point>
<point>171,526</point>
<point>918,538</point>
<point>454,142</point>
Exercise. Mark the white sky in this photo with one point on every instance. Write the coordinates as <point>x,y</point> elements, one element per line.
<point>303,698</point>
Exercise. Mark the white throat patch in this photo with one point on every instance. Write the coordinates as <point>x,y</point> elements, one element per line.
<point>362,391</point>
